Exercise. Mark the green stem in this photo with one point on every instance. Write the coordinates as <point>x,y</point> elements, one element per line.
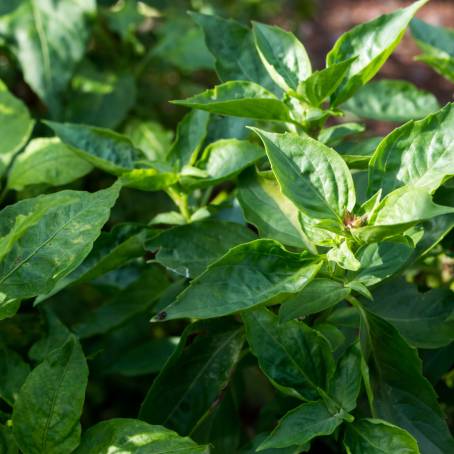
<point>3,193</point>
<point>181,201</point>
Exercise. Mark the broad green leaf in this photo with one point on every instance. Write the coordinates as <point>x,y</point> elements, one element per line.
<point>379,261</point>
<point>291,354</point>
<point>357,154</point>
<point>346,383</point>
<point>191,132</point>
<point>372,43</point>
<point>302,424</point>
<point>134,436</point>
<point>344,257</point>
<point>57,334</point>
<point>189,249</point>
<point>150,137</point>
<point>437,46</point>
<point>375,436</point>
<point>248,275</point>
<point>100,98</point>
<point>111,250</point>
<point>55,245</point>
<point>406,205</point>
<point>188,387</point>
<point>46,161</point>
<point>322,84</point>
<point>136,298</point>
<point>232,46</point>
<point>49,39</point>
<point>103,148</point>
<point>15,126</point>
<point>333,135</point>
<point>274,215</point>
<point>313,176</point>
<point>8,306</point>
<point>47,411</point>
<point>318,295</point>
<point>223,160</point>
<point>402,395</point>
<point>426,319</point>
<point>251,448</point>
<point>13,372</point>
<point>282,54</point>
<point>419,153</point>
<point>154,177</point>
<point>391,100</point>
<point>240,99</point>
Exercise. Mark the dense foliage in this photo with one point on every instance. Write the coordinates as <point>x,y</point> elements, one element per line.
<point>269,277</point>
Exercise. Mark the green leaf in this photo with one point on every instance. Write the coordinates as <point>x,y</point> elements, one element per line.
<point>240,99</point>
<point>357,154</point>
<point>100,98</point>
<point>43,421</point>
<point>57,334</point>
<point>344,257</point>
<point>191,133</point>
<point>232,46</point>
<point>346,383</point>
<point>436,44</point>
<point>374,436</point>
<point>318,295</point>
<point>103,148</point>
<point>13,372</point>
<point>379,261</point>
<point>134,436</point>
<point>314,177</point>
<point>55,245</point>
<point>136,298</point>
<point>402,395</point>
<point>333,135</point>
<point>188,387</point>
<point>407,205</point>
<point>189,249</point>
<point>46,161</point>
<point>7,443</point>
<point>372,43</point>
<point>49,41</point>
<point>274,215</point>
<point>391,100</point>
<point>426,319</point>
<point>291,354</point>
<point>419,153</point>
<point>150,137</point>
<point>322,84</point>
<point>15,126</point>
<point>248,275</point>
<point>222,160</point>
<point>302,424</point>
<point>282,54</point>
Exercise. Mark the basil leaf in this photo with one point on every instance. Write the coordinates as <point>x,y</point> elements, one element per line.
<point>301,425</point>
<point>372,43</point>
<point>133,435</point>
<point>418,153</point>
<point>296,358</point>
<point>16,126</point>
<point>391,100</point>
<point>313,176</point>
<point>375,436</point>
<point>189,249</point>
<point>42,403</point>
<point>283,56</point>
<point>248,275</point>
<point>191,381</point>
<point>318,295</point>
<point>56,244</point>
<point>46,161</point>
<point>240,99</point>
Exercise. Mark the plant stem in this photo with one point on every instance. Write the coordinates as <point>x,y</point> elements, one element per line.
<point>181,201</point>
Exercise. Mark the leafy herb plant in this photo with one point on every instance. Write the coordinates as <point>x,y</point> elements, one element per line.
<point>275,251</point>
